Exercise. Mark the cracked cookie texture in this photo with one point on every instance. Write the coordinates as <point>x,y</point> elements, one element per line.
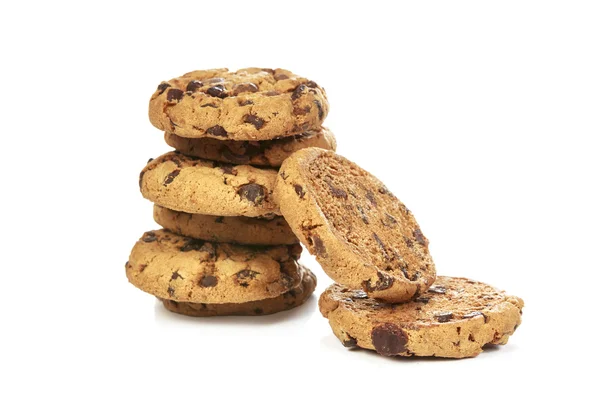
<point>183,269</point>
<point>269,153</point>
<point>248,104</point>
<point>454,318</point>
<point>199,186</point>
<point>240,230</point>
<point>292,298</point>
<point>360,233</point>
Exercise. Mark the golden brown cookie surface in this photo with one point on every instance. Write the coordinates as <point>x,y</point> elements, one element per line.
<point>240,230</point>
<point>248,104</point>
<point>455,318</point>
<point>361,234</point>
<point>286,301</point>
<point>177,268</point>
<point>199,186</point>
<point>270,153</point>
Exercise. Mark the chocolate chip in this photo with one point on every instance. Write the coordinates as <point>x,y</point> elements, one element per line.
<point>311,84</point>
<point>363,216</point>
<point>444,316</point>
<point>254,120</point>
<point>409,243</point>
<point>253,192</point>
<point>211,105</point>
<point>336,191</point>
<point>176,275</point>
<point>228,169</point>
<point>418,235</point>
<point>383,190</point>
<point>317,245</point>
<point>388,339</point>
<point>217,91</point>
<point>423,300</point>
<point>258,311</point>
<point>171,176</point>
<point>280,77</point>
<point>371,197</point>
<point>162,87</point>
<point>219,220</point>
<point>299,91</point>
<point>193,86</point>
<point>301,110</point>
<point>149,237</point>
<point>244,87</point>
<point>299,191</point>
<point>475,314</point>
<point>217,130</point>
<point>192,245</point>
<point>170,290</point>
<point>386,257</point>
<point>383,282</point>
<point>471,337</point>
<point>149,160</point>
<point>143,267</point>
<point>247,274</point>
<point>174,94</point>
<point>437,289</point>
<point>320,108</point>
<point>359,295</point>
<point>350,342</point>
<point>208,281</point>
<point>245,102</point>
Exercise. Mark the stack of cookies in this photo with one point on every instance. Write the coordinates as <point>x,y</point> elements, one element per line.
<point>225,249</point>
<point>387,297</point>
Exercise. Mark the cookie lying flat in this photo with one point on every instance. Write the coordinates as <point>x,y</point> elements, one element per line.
<point>200,186</point>
<point>249,104</point>
<point>455,318</point>
<point>288,300</point>
<point>361,234</point>
<point>262,153</point>
<point>174,267</point>
<point>241,230</point>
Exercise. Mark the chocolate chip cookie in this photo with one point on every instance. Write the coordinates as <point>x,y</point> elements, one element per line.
<point>177,268</point>
<point>454,318</point>
<point>288,300</point>
<point>262,153</point>
<point>240,230</point>
<point>361,234</point>
<point>198,186</point>
<point>249,104</point>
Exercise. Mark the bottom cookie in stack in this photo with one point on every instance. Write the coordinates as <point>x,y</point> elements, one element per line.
<point>201,278</point>
<point>455,318</point>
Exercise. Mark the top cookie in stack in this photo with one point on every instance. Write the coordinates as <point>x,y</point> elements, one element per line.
<point>231,131</point>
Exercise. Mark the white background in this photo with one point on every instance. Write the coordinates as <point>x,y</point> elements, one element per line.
<point>483,117</point>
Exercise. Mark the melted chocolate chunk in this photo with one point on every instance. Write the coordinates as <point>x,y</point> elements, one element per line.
<point>383,282</point>
<point>418,235</point>
<point>359,295</point>
<point>388,339</point>
<point>174,94</point>
<point>350,342</point>
<point>254,120</point>
<point>336,192</point>
<point>311,84</point>
<point>437,289</point>
<point>193,86</point>
<point>444,316</point>
<point>192,245</point>
<point>299,91</point>
<point>253,192</point>
<point>170,290</point>
<point>320,108</point>
<point>299,191</point>
<point>371,197</point>
<point>162,87</point>
<point>176,275</point>
<point>217,91</point>
<point>149,237</point>
<point>280,77</point>
<point>247,274</point>
<point>208,281</point>
<point>317,245</point>
<point>244,88</point>
<point>217,130</point>
<point>171,177</point>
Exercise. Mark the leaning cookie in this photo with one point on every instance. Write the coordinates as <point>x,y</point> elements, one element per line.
<point>455,318</point>
<point>199,186</point>
<point>286,301</point>
<point>269,153</point>
<point>240,230</point>
<point>249,104</point>
<point>177,268</point>
<point>361,234</point>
